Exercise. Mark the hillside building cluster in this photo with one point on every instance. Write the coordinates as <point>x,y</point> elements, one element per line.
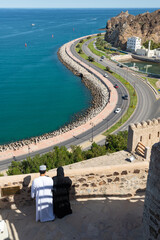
<point>134,45</point>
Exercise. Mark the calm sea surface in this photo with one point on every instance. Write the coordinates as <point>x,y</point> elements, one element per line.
<point>37,93</point>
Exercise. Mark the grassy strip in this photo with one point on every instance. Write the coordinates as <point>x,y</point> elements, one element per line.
<point>152,81</point>
<point>80,46</point>
<point>106,51</point>
<point>98,53</point>
<point>132,93</point>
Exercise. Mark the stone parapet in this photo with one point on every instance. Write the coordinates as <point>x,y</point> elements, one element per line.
<point>113,180</point>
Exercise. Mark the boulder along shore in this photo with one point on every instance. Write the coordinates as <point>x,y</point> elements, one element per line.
<point>100,97</point>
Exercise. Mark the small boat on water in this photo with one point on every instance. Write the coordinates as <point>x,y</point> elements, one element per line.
<point>33,24</point>
<point>25,44</point>
<point>52,35</point>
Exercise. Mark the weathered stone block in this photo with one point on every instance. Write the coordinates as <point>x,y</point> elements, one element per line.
<point>124,173</point>
<point>93,185</point>
<point>81,180</point>
<point>153,232</point>
<point>90,178</point>
<point>157,216</point>
<point>102,183</point>
<point>123,180</point>
<point>115,174</point>
<point>154,220</point>
<point>109,180</point>
<point>85,185</point>
<point>116,179</point>
<point>7,191</point>
<point>143,177</point>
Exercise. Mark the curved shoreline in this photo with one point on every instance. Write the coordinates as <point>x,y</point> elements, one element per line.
<point>99,92</point>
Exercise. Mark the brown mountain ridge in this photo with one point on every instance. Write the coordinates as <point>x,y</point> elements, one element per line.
<point>120,28</point>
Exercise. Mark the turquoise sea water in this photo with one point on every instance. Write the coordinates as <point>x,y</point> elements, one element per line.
<point>37,93</point>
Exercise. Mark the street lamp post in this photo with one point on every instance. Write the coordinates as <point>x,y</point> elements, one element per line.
<point>29,150</point>
<point>92,124</point>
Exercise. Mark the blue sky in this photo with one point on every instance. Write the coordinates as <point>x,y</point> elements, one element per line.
<point>79,3</point>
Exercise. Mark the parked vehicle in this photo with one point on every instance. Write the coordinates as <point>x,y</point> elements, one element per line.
<point>117,110</point>
<point>120,65</point>
<point>116,86</point>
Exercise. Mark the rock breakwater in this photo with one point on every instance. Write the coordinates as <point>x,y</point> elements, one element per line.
<point>100,96</point>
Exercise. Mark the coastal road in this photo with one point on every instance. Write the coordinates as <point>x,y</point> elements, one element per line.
<point>144,110</point>
<point>146,98</point>
<point>147,107</point>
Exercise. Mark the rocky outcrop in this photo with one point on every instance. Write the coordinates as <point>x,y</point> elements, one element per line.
<point>120,28</point>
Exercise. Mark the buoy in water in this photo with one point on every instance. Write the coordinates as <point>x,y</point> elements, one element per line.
<point>25,44</point>
<point>52,35</point>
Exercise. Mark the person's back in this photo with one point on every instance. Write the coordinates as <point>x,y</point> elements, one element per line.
<point>42,189</point>
<point>61,194</point>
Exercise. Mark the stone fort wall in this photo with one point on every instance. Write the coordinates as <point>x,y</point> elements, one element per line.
<point>146,132</point>
<point>151,217</point>
<point>113,180</point>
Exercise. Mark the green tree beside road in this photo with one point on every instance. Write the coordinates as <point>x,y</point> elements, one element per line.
<point>91,59</point>
<point>153,45</point>
<point>60,156</point>
<point>116,142</point>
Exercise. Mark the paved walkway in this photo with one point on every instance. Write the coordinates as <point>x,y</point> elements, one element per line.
<point>98,219</point>
<point>111,159</point>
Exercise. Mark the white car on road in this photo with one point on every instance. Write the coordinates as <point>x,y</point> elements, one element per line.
<point>106,75</point>
<point>117,110</point>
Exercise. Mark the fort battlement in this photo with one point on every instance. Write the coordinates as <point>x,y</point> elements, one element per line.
<point>100,180</point>
<point>145,133</point>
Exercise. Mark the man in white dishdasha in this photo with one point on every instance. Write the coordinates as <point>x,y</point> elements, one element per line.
<point>42,190</point>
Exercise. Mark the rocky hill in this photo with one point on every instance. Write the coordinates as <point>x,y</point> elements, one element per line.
<point>120,28</point>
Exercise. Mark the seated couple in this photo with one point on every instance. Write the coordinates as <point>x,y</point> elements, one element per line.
<point>52,195</point>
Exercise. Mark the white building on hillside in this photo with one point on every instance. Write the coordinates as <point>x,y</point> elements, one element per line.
<point>134,43</point>
<point>148,52</point>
